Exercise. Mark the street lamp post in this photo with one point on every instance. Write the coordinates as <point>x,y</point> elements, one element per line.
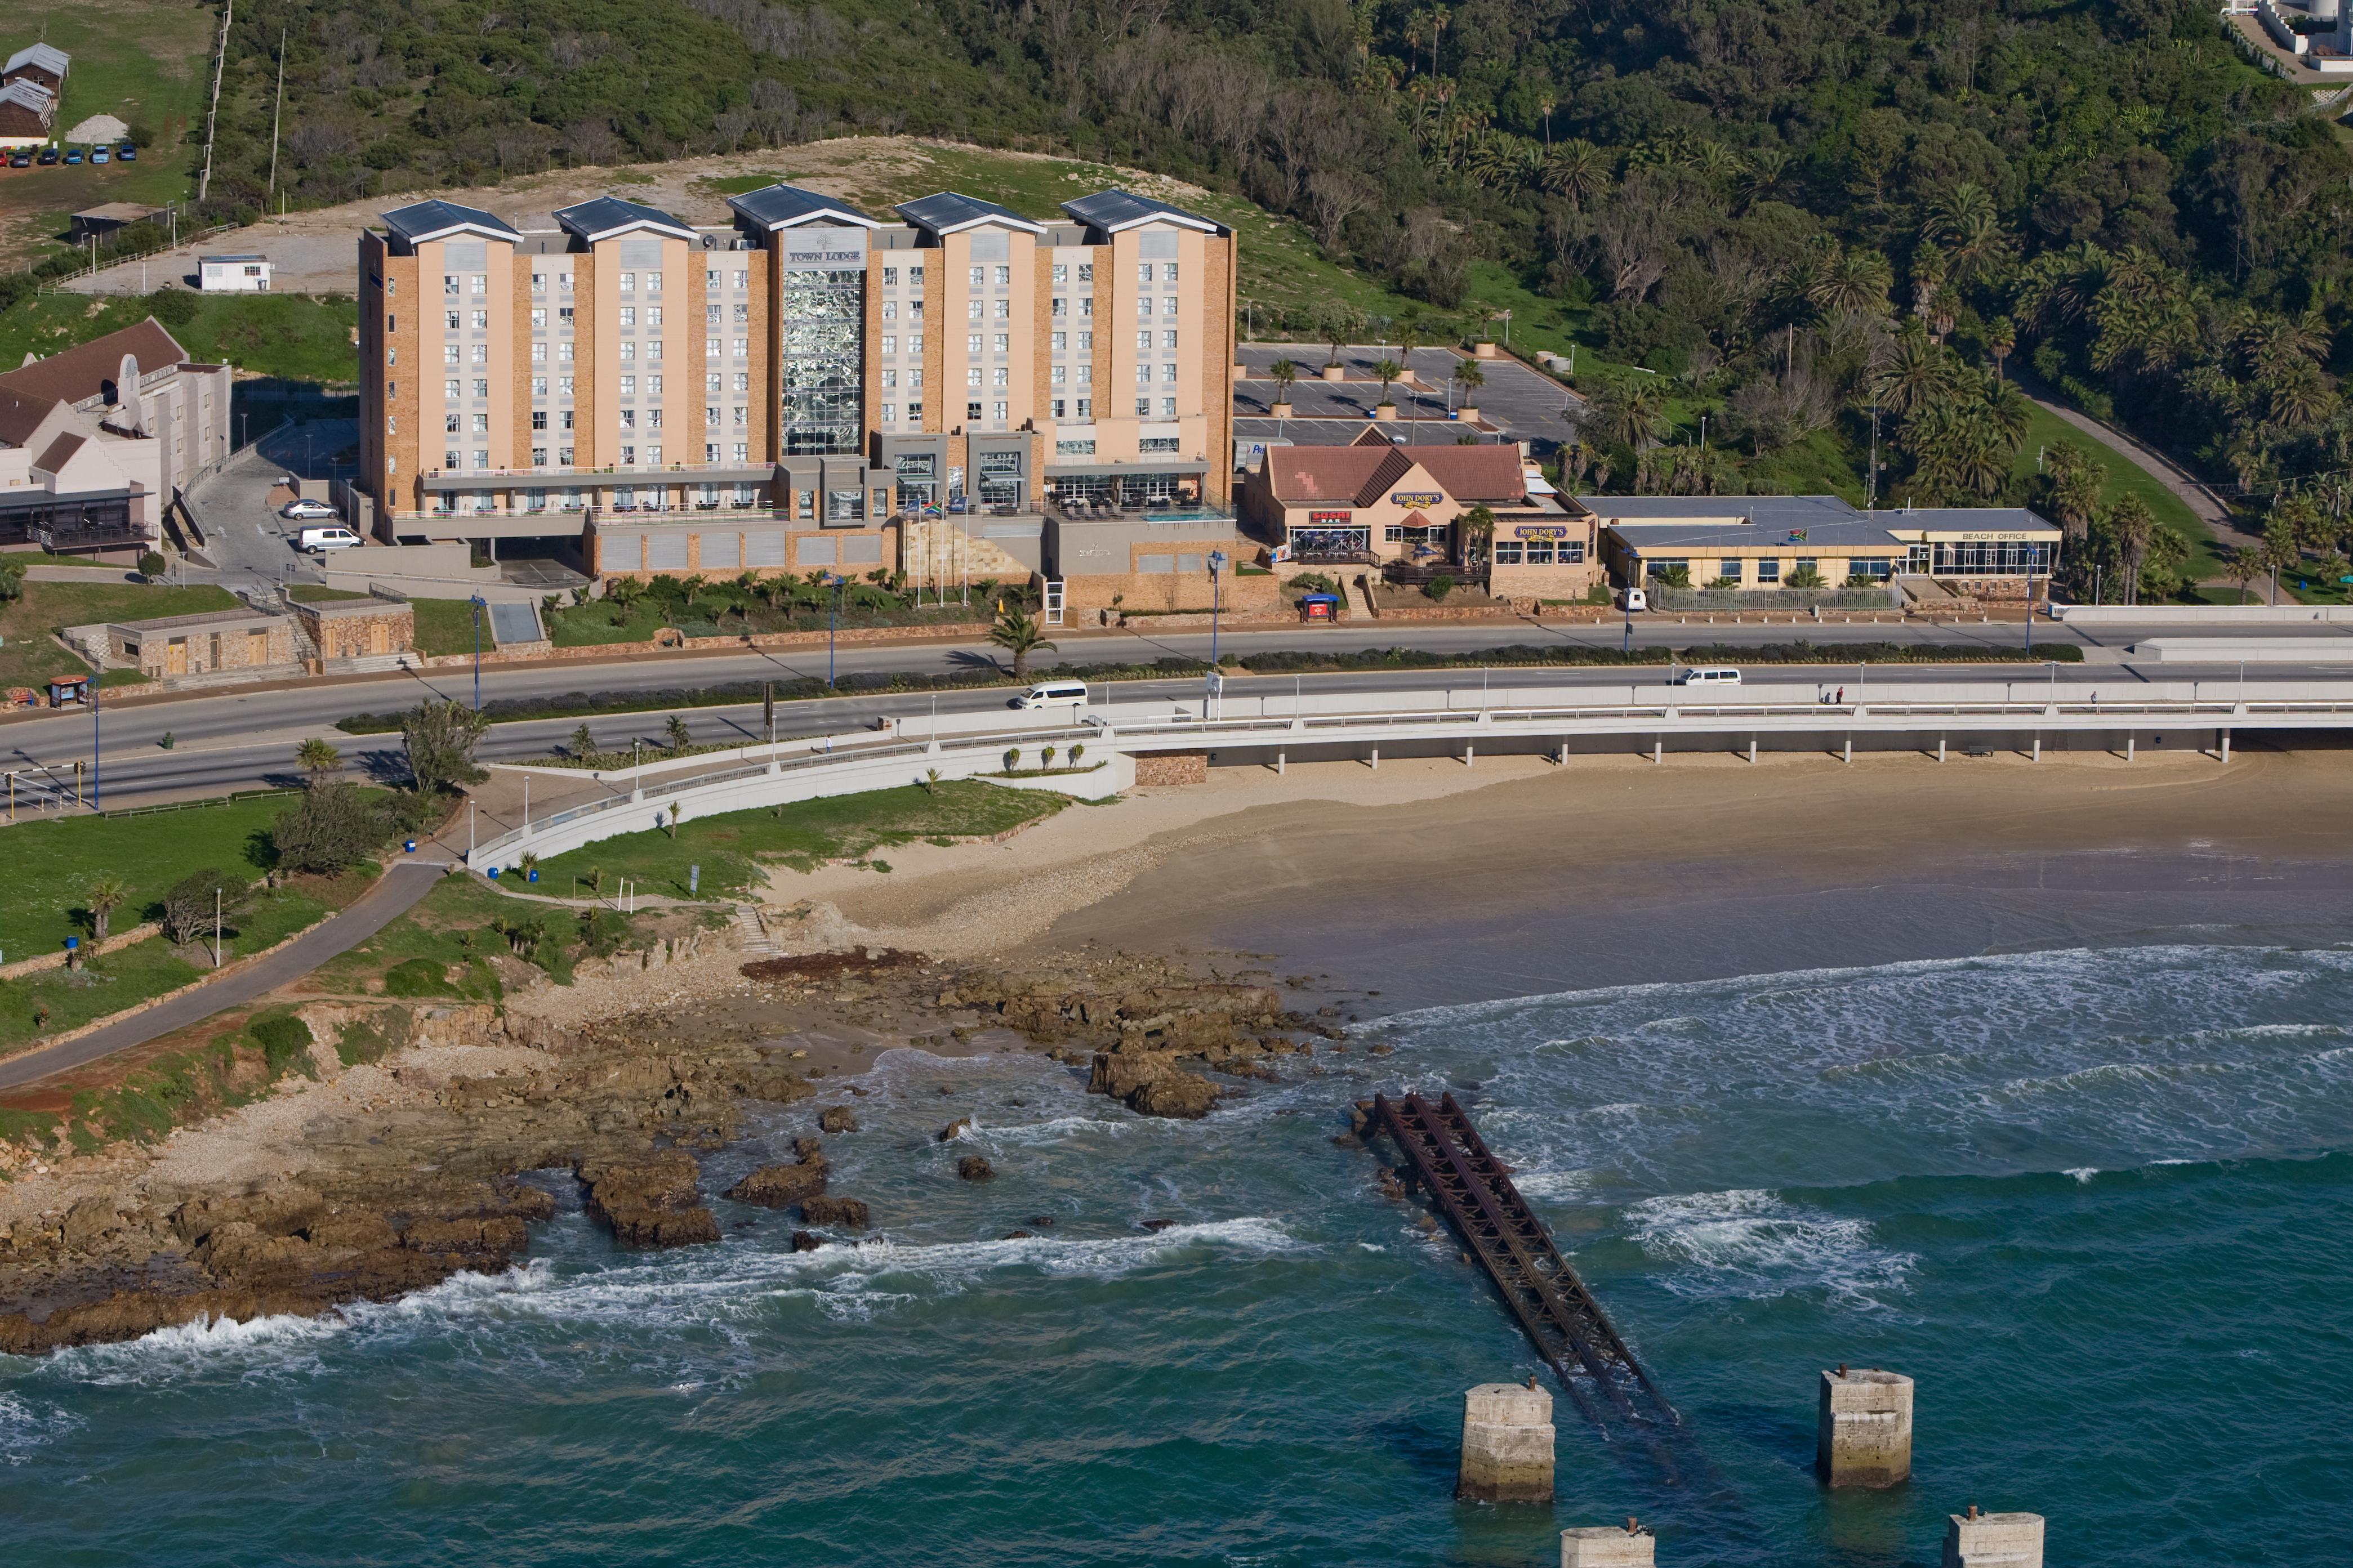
<point>833,627</point>
<point>97,784</point>
<point>1216,569</point>
<point>479,605</point>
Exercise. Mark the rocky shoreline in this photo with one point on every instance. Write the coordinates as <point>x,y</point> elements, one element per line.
<point>418,1169</point>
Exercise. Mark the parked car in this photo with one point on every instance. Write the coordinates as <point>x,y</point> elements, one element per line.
<point>1053,694</point>
<point>73,154</point>
<point>319,541</point>
<point>48,156</point>
<point>129,154</point>
<point>20,159</point>
<point>97,154</point>
<point>305,507</point>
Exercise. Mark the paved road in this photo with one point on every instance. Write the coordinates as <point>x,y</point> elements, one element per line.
<point>390,898</point>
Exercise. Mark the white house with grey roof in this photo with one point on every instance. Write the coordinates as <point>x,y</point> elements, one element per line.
<point>1760,544</point>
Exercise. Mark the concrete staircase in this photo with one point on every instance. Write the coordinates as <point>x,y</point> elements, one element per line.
<point>756,940</point>
<point>366,664</point>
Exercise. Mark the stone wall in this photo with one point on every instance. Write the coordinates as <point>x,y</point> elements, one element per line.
<point>1172,768</point>
<point>348,629</point>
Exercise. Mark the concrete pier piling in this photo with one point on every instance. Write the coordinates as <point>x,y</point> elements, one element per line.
<point>1507,1444</point>
<point>1862,1434</point>
<point>1608,1546</point>
<point>1975,1540</point>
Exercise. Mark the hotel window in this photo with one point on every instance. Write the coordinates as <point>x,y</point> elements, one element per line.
<point>564,315</point>
<point>1168,305</point>
<point>482,425</point>
<point>451,388</point>
<point>539,353</point>
<point>1061,374</point>
<point>1168,373</point>
<point>1003,341</point>
<point>1143,408</point>
<point>914,276</point>
<point>539,283</point>
<point>628,282</point>
<point>482,387</point>
<point>972,376</point>
<point>743,382</point>
<point>1062,342</point>
<point>482,321</point>
<point>1060,307</point>
<point>451,323</point>
<point>563,351</point>
<point>1143,342</point>
<point>1144,272</point>
<point>1061,273</point>
<point>1158,444</point>
<point>1168,340</point>
<point>711,347</point>
<point>653,315</point>
<point>538,457</point>
<point>452,460</point>
<point>710,315</point>
<point>628,419</point>
<point>653,454</point>
<point>1143,309</point>
<point>539,315</point>
<point>629,386</point>
<point>889,413</point>
<point>915,412</point>
<point>654,349</point>
<point>711,416</point>
<point>564,456</point>
<point>890,278</point>
<point>480,354</point>
<point>567,418</point>
<point>1086,407</point>
<point>979,277</point>
<point>653,384</point>
<point>1058,409</point>
<point>1000,415</point>
<point>915,307</point>
<point>653,281</point>
<point>448,353</point>
<point>628,456</point>
<point>711,385</point>
<point>449,283</point>
<point>480,283</point>
<point>564,282</point>
<point>1169,272</point>
<point>972,343</point>
<point>1143,374</point>
<point>392,356</point>
<point>743,451</point>
<point>973,309</point>
<point>890,309</point>
<point>1086,271</point>
<point>743,415</point>
<point>563,386</point>
<point>711,452</point>
<point>743,315</point>
<point>449,423</point>
<point>1001,377</point>
<point>539,418</point>
<point>972,411</point>
<point>481,458</point>
<point>743,281</point>
<point>741,348</point>
<point>1004,276</point>
<point>1003,310</point>
<point>915,343</point>
<point>1168,408</point>
<point>1768,570</point>
<point>1086,342</point>
<point>891,380</point>
<point>628,350</point>
<point>629,315</point>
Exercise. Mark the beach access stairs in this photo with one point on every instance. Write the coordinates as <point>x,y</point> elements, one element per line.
<point>1473,1190</point>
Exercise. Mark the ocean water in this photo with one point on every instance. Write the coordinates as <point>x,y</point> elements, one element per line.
<point>2098,1203</point>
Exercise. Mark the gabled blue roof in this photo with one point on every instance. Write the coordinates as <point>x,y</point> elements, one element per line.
<point>604,217</point>
<point>783,206</point>
<point>437,219</point>
<point>948,213</point>
<point>1111,211</point>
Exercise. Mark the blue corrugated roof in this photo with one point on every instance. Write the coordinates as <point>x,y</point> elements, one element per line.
<point>947,212</point>
<point>780,206</point>
<point>602,215</point>
<point>48,57</point>
<point>1111,211</point>
<point>431,220</point>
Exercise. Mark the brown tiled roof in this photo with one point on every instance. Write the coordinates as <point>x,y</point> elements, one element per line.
<point>1358,475</point>
<point>84,370</point>
<point>60,452</point>
<point>21,414</point>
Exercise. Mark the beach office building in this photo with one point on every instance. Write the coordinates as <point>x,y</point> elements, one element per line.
<point>806,387</point>
<point>1773,543</point>
<point>1374,503</point>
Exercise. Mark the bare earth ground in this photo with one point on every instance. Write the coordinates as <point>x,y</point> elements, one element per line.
<point>315,252</point>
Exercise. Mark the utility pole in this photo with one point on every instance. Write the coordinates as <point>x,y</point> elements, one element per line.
<point>1871,480</point>
<point>278,113</point>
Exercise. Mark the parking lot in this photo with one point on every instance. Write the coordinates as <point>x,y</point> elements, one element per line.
<point>1525,404</point>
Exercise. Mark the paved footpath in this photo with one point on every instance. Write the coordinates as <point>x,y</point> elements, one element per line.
<point>395,895</point>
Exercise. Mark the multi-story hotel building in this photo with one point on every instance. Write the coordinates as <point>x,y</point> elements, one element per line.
<point>805,387</point>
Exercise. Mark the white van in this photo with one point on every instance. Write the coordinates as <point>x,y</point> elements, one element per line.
<point>1709,676</point>
<point>319,541</point>
<point>1053,694</point>
<point>1635,599</point>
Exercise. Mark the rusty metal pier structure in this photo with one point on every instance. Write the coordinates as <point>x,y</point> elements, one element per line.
<point>1473,1190</point>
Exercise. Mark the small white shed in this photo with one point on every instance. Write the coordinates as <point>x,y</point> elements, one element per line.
<point>233,274</point>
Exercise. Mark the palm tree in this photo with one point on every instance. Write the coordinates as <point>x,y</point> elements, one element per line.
<point>1852,282</point>
<point>1019,635</point>
<point>1632,409</point>
<point>105,895</point>
<point>1470,377</point>
<point>678,734</point>
<point>1283,371</point>
<point>1387,371</point>
<point>318,758</point>
<point>1767,167</point>
<point>2136,527</point>
<point>1474,532</point>
<point>2000,338</point>
<point>1918,375</point>
<point>1577,170</point>
<point>582,743</point>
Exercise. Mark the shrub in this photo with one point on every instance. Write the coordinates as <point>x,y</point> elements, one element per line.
<point>153,564</point>
<point>282,1037</point>
<point>417,978</point>
<point>1440,587</point>
<point>330,827</point>
<point>188,903</point>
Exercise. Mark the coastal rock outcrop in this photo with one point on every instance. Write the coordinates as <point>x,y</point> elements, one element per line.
<point>849,1214</point>
<point>781,1187</point>
<point>838,1119</point>
<point>973,1168</point>
<point>648,1200</point>
<point>1151,1083</point>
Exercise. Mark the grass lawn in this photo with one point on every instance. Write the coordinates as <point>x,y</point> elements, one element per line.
<point>732,848</point>
<point>53,1001</point>
<point>291,336</point>
<point>439,948</point>
<point>447,626</point>
<point>2124,477</point>
<point>599,622</point>
<point>30,656</point>
<point>311,594</point>
<point>51,863</point>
